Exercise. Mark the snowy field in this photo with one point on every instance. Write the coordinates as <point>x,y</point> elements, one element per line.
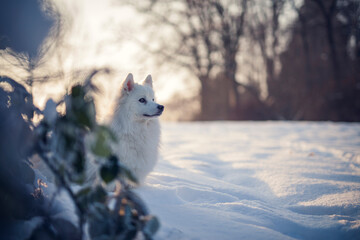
<point>257,180</point>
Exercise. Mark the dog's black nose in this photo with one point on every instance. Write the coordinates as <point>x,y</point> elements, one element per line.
<point>160,107</point>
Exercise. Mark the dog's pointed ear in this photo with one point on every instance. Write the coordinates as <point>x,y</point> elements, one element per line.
<point>148,81</point>
<point>128,84</point>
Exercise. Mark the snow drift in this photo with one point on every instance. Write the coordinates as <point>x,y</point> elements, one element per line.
<point>257,180</point>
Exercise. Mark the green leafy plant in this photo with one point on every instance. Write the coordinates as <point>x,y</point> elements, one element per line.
<point>60,140</point>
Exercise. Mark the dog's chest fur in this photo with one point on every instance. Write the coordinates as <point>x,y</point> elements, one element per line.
<point>137,145</point>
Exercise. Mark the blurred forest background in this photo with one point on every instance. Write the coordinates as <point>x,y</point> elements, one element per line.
<point>238,59</point>
<point>306,54</point>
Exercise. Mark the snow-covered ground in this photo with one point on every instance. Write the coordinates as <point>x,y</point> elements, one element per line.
<point>257,180</point>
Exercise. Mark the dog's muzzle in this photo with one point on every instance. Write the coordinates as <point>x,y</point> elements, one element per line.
<point>160,109</point>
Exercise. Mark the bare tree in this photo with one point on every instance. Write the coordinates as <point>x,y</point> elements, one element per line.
<point>328,10</point>
<point>265,32</point>
<point>231,30</point>
<point>302,18</point>
<point>349,14</point>
<point>208,37</point>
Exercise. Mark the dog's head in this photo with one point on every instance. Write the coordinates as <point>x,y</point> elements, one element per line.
<point>139,99</point>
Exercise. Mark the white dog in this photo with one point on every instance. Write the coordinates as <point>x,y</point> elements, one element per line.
<point>135,123</point>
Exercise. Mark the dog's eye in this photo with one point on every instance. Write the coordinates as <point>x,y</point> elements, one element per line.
<point>142,100</point>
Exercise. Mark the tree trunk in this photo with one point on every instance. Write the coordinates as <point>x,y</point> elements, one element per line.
<point>332,46</point>
<point>230,74</point>
<point>205,99</point>
<point>305,43</point>
<point>328,15</point>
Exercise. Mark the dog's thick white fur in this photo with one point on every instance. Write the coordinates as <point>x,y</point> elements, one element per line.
<point>136,125</point>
